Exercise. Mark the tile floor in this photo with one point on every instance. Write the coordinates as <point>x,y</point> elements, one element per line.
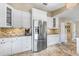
<point>54,50</point>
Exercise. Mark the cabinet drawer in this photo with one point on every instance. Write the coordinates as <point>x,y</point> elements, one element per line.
<point>4,40</point>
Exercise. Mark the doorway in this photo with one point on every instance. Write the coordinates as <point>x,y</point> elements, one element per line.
<point>68,27</point>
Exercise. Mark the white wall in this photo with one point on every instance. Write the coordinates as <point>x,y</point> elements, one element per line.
<point>63,34</point>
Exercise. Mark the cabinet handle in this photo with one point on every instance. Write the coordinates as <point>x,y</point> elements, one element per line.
<point>2,42</point>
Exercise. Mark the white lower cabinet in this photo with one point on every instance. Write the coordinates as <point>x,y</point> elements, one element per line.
<point>21,44</point>
<point>5,46</point>
<point>26,43</point>
<point>52,39</point>
<point>10,46</point>
<point>16,45</point>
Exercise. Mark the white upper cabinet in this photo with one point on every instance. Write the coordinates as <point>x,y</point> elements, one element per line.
<point>49,23</point>
<point>2,15</point>
<point>26,19</point>
<point>21,19</point>
<point>17,18</point>
<point>57,22</point>
<point>52,22</point>
<point>5,15</point>
<point>10,17</point>
<point>39,14</point>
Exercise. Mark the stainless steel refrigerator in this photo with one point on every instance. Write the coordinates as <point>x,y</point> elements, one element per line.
<point>39,35</point>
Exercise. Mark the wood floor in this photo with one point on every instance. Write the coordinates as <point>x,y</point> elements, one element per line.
<point>54,50</point>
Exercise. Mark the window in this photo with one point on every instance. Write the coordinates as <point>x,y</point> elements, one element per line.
<point>54,22</point>
<point>9,16</point>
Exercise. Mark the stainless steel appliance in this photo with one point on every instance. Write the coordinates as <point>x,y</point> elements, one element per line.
<point>39,35</point>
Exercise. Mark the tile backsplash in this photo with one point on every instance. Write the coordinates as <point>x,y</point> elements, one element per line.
<point>10,32</point>
<point>13,32</point>
<point>53,31</point>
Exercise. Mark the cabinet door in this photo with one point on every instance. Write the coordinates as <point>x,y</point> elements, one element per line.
<point>39,14</point>
<point>17,18</point>
<point>4,19</point>
<point>50,23</point>
<point>52,39</point>
<point>26,43</point>
<point>26,19</point>
<point>5,47</point>
<point>16,45</point>
<point>29,43</point>
<point>57,23</point>
<point>2,14</point>
<point>49,40</point>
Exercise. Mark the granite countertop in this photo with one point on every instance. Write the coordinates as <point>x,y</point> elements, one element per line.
<point>14,36</point>
<point>53,34</point>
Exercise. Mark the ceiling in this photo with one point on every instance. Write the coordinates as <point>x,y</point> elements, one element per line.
<point>28,6</point>
<point>70,13</point>
<point>49,6</point>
